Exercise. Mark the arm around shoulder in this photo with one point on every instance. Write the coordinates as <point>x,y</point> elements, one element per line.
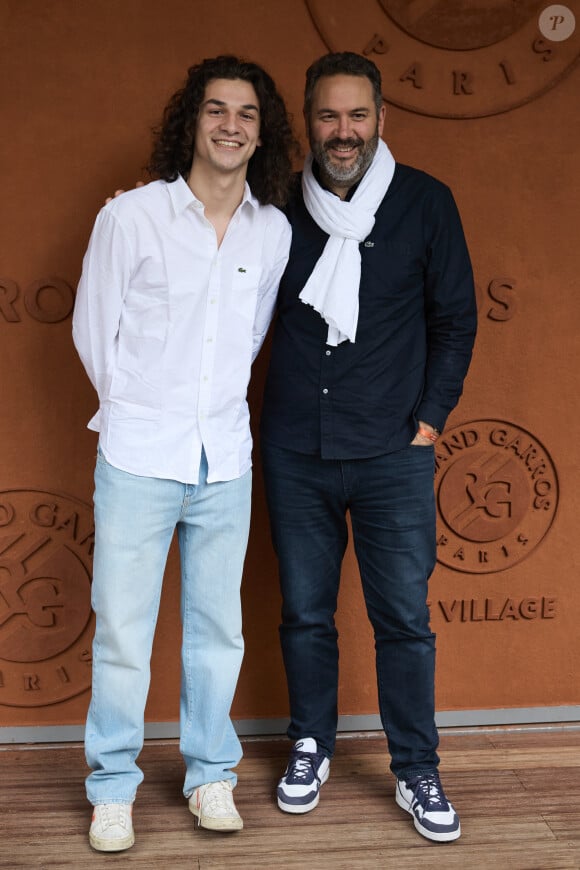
<point>278,240</point>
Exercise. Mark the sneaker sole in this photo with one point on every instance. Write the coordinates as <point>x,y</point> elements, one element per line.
<point>223,825</point>
<point>436,836</point>
<point>299,809</point>
<point>119,845</point>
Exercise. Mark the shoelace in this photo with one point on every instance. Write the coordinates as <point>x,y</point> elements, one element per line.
<point>113,814</point>
<point>302,767</point>
<point>216,797</point>
<point>428,792</point>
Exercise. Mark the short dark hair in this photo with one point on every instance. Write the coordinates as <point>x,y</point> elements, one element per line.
<point>270,168</point>
<point>342,63</point>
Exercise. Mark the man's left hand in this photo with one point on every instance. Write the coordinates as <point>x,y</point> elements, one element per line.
<point>423,439</point>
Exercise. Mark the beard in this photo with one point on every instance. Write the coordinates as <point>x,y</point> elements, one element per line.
<point>344,176</point>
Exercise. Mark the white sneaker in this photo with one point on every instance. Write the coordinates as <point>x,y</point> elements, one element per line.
<point>112,827</point>
<point>434,816</point>
<point>307,771</point>
<point>213,805</point>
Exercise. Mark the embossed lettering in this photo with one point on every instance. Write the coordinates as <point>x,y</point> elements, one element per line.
<point>43,514</point>
<point>452,443</point>
<point>376,45</point>
<point>536,465</point>
<point>448,609</point>
<point>509,610</point>
<point>483,496</point>
<point>46,515</point>
<point>48,300</point>
<point>45,614</point>
<point>541,489</point>
<point>508,72</point>
<point>462,82</point>
<point>529,608</point>
<point>413,74</point>
<point>490,610</point>
<point>498,436</point>
<point>63,675</point>
<point>6,514</point>
<point>70,525</point>
<point>539,46</point>
<point>475,61</point>
<point>501,290</point>
<point>88,542</point>
<point>539,469</point>
<point>31,682</point>
<point>8,295</point>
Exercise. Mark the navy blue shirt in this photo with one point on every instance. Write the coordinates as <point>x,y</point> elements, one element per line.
<point>416,328</point>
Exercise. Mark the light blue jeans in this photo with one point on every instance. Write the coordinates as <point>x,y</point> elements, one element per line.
<point>135,518</point>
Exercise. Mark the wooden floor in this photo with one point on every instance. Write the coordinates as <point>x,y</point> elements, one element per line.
<point>517,792</point>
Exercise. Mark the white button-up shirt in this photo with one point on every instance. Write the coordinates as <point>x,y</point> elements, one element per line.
<point>167,326</point>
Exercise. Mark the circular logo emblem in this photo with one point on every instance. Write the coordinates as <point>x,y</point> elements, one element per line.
<point>454,58</point>
<point>46,624</point>
<point>557,23</point>
<point>497,493</point>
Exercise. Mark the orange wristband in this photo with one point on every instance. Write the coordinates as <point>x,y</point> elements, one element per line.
<point>432,436</point>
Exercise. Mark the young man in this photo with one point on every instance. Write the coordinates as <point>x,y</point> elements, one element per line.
<point>176,295</point>
<point>376,322</point>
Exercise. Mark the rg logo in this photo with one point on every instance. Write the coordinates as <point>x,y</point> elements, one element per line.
<point>46,624</point>
<point>497,494</point>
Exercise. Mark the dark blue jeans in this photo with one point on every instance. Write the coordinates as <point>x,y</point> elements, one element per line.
<point>391,503</point>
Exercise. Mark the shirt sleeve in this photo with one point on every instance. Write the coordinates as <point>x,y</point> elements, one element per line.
<point>450,310</point>
<point>100,294</point>
<point>269,285</point>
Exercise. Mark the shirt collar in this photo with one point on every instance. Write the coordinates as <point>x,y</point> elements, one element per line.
<point>182,197</point>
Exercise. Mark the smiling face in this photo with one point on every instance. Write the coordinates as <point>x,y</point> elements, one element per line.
<point>344,129</point>
<point>228,126</point>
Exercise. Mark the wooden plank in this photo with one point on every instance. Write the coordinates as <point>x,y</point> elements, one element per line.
<point>528,757</point>
<point>519,804</point>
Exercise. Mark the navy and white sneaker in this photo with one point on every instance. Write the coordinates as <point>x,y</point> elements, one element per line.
<point>434,817</point>
<point>308,769</point>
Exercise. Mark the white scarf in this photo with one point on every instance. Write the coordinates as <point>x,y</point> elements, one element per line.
<point>332,288</point>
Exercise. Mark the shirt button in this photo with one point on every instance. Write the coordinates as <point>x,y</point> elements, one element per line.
<point>328,352</point>
<point>325,391</point>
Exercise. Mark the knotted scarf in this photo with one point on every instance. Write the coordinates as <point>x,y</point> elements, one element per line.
<point>333,286</point>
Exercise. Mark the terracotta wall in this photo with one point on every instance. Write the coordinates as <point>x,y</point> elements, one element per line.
<point>479,98</point>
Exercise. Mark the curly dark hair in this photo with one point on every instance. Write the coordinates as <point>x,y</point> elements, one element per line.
<point>345,63</point>
<point>270,168</point>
